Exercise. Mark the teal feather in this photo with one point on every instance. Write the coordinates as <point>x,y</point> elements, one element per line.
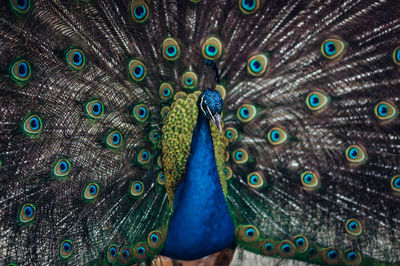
<point>90,160</point>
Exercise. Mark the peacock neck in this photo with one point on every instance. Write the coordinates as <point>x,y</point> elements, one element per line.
<point>201,223</point>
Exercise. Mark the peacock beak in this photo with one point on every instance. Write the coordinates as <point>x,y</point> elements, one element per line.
<point>217,121</point>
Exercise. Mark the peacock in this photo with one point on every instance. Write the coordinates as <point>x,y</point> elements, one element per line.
<point>133,129</point>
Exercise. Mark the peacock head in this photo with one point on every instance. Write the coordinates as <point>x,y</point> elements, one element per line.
<point>210,104</point>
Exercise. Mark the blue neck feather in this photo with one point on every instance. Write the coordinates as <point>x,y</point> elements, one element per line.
<point>200,224</point>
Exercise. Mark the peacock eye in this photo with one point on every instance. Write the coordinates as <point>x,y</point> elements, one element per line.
<point>112,253</point>
<point>352,257</point>
<point>154,136</point>
<point>354,227</point>
<point>75,59</point>
<point>246,112</point>
<point>164,112</point>
<point>65,248</point>
<point>32,125</point>
<point>310,180</point>
<point>137,70</point>
<point>143,157</point>
<point>385,111</point>
<point>277,136</point>
<point>395,183</point>
<point>356,154</point>
<point>170,49</point>
<point>189,80</point>
<point>396,55</point>
<point>126,254</point>
<point>248,233</point>
<point>212,48</point>
<point>27,213</point>
<point>20,6</point>
<point>240,156</point>
<point>161,178</point>
<point>256,180</point>
<point>166,91</point>
<point>20,71</point>
<point>140,112</point>
<point>332,48</point>
<point>316,101</point>
<point>136,188</point>
<point>94,109</point>
<point>91,191</point>
<point>114,139</point>
<point>231,134</point>
<point>257,65</point>
<point>249,6</point>
<point>61,168</point>
<point>286,249</point>
<point>301,243</point>
<point>139,11</point>
<point>228,172</point>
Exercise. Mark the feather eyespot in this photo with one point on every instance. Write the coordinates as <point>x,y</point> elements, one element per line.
<point>66,248</point>
<point>268,247</point>
<point>396,55</point>
<point>137,70</point>
<point>354,227</point>
<point>249,6</point>
<point>126,254</point>
<point>256,180</point>
<point>136,188</point>
<point>141,112</point>
<point>154,136</point>
<point>141,251</point>
<point>212,48</point>
<point>310,180</point>
<point>112,253</point>
<point>143,157</point>
<point>316,101</point>
<point>61,168</point>
<point>189,80</point>
<point>333,48</point>
<point>32,125</point>
<point>248,233</point>
<point>356,154</point>
<point>301,243</point>
<point>228,172</point>
<point>331,256</point>
<point>139,11</point>
<point>277,136</point>
<point>20,6</point>
<point>170,49</point>
<point>94,109</point>
<point>114,139</point>
<point>395,183</point>
<point>27,213</point>
<point>164,112</point>
<point>240,156</point>
<point>161,178</point>
<point>257,65</point>
<point>91,191</point>
<point>246,112</point>
<point>286,249</point>
<point>352,257</point>
<point>156,239</point>
<point>75,59</point>
<point>20,71</point>
<point>385,111</point>
<point>231,134</point>
<point>166,91</point>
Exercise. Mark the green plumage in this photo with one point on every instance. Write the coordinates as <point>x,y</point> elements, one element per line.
<point>96,124</point>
